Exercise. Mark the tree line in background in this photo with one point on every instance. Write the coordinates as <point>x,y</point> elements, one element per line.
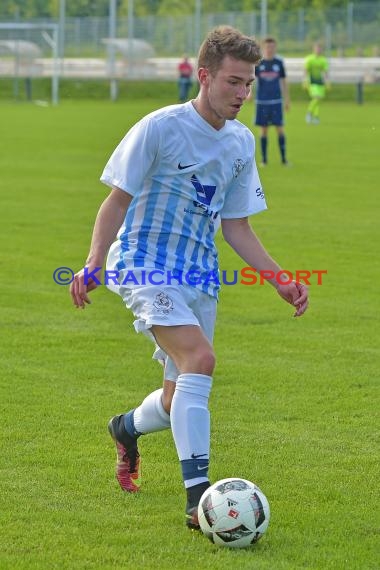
<point>25,9</point>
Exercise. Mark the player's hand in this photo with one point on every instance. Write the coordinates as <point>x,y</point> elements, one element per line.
<point>296,294</point>
<point>287,106</point>
<point>83,284</point>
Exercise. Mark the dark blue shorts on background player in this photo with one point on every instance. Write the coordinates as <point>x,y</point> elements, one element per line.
<point>269,114</point>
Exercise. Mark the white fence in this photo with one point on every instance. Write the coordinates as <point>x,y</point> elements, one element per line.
<point>342,70</point>
<point>349,29</point>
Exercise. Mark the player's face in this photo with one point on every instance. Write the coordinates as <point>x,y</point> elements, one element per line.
<point>224,92</point>
<point>269,50</point>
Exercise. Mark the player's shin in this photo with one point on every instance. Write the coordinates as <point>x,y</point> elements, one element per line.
<point>190,419</point>
<point>264,146</point>
<point>282,147</point>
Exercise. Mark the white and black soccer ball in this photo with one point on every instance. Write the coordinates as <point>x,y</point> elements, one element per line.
<point>234,513</point>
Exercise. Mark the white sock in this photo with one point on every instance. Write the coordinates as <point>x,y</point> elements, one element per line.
<point>190,420</point>
<point>151,416</point>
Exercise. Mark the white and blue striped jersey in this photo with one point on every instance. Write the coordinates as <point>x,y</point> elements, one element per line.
<point>184,176</point>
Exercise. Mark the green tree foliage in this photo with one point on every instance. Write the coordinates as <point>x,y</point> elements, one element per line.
<point>174,8</point>
<point>27,9</point>
<point>142,7</point>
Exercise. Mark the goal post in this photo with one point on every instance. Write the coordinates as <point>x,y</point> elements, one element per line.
<point>25,42</point>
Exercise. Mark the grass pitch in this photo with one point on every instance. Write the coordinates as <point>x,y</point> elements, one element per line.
<point>294,401</point>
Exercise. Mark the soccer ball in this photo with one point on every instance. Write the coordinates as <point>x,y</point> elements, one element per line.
<point>234,513</point>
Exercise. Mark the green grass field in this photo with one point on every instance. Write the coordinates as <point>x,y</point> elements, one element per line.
<point>294,401</point>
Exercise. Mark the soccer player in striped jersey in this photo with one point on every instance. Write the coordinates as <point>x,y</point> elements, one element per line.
<point>174,176</point>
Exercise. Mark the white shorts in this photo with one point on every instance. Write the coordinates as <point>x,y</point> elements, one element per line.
<point>169,305</point>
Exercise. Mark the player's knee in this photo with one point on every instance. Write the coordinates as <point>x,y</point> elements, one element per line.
<point>202,361</point>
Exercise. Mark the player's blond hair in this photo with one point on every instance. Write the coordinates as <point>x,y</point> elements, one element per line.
<point>225,40</point>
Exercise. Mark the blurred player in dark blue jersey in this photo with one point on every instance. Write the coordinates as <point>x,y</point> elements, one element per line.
<point>271,93</point>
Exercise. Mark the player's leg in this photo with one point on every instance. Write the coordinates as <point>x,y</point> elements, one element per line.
<point>194,357</point>
<point>152,415</point>
<point>310,108</point>
<point>278,121</point>
<point>150,306</point>
<point>261,121</point>
<point>315,111</point>
<point>182,89</point>
<point>317,92</point>
<point>264,145</point>
<point>282,144</point>
<point>320,92</point>
<point>204,309</point>
<point>309,115</point>
<point>187,88</point>
<point>167,395</point>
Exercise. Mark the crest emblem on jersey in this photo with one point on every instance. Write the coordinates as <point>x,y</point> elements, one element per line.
<point>238,167</point>
<point>163,303</point>
<point>204,193</point>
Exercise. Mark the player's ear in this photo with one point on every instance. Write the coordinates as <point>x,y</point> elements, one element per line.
<point>203,75</point>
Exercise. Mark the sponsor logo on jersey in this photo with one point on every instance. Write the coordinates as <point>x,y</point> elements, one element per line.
<point>204,192</point>
<point>182,167</point>
<point>260,193</point>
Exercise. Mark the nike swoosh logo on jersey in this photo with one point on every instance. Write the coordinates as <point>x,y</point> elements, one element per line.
<point>201,468</point>
<point>193,456</point>
<point>180,167</point>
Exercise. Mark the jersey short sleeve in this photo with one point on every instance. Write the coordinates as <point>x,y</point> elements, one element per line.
<point>133,158</point>
<point>282,69</point>
<point>245,195</point>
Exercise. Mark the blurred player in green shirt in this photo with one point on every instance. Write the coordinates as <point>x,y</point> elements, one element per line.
<point>316,67</point>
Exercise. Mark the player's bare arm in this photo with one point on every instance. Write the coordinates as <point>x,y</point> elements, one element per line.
<point>240,236</point>
<point>110,216</point>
